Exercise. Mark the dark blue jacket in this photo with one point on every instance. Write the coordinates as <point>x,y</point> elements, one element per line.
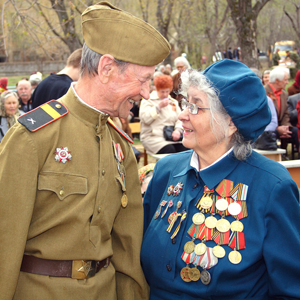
<point>270,266</point>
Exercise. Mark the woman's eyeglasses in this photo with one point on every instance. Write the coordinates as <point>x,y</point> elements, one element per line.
<point>192,107</point>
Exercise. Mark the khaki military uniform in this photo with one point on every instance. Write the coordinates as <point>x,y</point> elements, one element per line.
<point>72,210</point>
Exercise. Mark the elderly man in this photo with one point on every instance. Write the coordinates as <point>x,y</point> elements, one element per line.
<point>181,64</point>
<point>275,89</point>
<point>24,90</point>
<point>71,211</point>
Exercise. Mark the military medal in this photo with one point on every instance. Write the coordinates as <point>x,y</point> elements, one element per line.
<point>170,190</point>
<point>219,251</point>
<point>223,225</point>
<point>183,217</point>
<point>174,216</point>
<point>234,208</point>
<point>237,226</point>
<point>170,204</point>
<point>124,200</point>
<point>63,155</point>
<point>235,257</point>
<point>198,218</point>
<point>185,274</point>
<point>200,248</point>
<point>177,188</point>
<point>189,247</point>
<point>194,274</point>
<point>239,194</point>
<point>157,213</point>
<point>205,277</point>
<point>210,222</point>
<point>221,204</point>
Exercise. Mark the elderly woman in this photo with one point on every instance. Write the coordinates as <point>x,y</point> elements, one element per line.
<point>221,221</point>
<point>8,111</point>
<point>157,113</point>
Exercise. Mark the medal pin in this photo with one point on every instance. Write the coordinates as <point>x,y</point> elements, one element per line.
<point>170,204</point>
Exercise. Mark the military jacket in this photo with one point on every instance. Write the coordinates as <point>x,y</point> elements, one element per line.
<point>70,209</point>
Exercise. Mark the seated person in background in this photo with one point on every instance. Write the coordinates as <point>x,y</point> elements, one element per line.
<point>9,111</point>
<point>35,79</point>
<point>295,87</point>
<point>275,90</point>
<point>145,175</point>
<point>292,104</point>
<point>24,90</point>
<point>159,111</point>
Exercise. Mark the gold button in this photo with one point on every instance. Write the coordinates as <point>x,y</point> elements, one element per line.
<point>103,172</point>
<point>99,209</point>
<point>61,192</point>
<point>57,105</point>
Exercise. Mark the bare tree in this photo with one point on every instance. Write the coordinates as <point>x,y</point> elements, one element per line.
<point>244,16</point>
<point>294,19</point>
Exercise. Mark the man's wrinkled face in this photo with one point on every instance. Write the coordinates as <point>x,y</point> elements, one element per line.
<point>128,87</point>
<point>24,90</point>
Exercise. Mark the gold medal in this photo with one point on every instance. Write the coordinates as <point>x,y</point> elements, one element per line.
<point>235,257</point>
<point>198,218</point>
<point>218,251</point>
<point>223,225</point>
<point>185,274</point>
<point>194,274</point>
<point>124,200</point>
<point>221,204</point>
<point>206,202</point>
<point>189,247</point>
<point>210,222</point>
<point>200,249</point>
<point>237,226</point>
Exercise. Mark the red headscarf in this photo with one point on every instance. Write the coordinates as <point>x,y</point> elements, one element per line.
<point>297,80</point>
<point>3,84</point>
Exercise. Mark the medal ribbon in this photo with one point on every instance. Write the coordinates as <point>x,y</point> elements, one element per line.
<point>173,222</point>
<point>224,188</point>
<point>237,240</point>
<point>221,238</point>
<point>178,227</point>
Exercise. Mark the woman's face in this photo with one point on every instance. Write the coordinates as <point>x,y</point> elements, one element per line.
<point>266,78</point>
<point>164,93</point>
<point>11,105</point>
<point>198,134</point>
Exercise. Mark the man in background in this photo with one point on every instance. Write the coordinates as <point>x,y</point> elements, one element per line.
<point>56,85</point>
<point>24,90</point>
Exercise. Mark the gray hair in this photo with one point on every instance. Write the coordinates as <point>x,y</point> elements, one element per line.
<point>90,61</point>
<point>278,73</point>
<point>192,78</point>
<point>183,60</point>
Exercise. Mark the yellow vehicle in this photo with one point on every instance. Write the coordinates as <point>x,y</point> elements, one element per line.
<point>284,46</point>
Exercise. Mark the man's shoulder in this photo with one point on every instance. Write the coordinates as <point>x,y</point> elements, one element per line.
<point>43,115</point>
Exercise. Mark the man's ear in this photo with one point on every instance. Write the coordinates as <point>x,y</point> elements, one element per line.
<point>106,67</point>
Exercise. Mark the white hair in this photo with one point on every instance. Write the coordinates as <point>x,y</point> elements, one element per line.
<point>278,73</point>
<point>183,60</point>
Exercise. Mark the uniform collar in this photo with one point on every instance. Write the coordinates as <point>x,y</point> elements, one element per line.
<point>213,174</point>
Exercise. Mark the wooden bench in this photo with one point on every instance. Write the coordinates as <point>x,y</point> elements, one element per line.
<point>293,166</point>
<point>272,154</point>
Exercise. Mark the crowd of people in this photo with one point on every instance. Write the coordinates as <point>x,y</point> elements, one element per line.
<point>217,220</point>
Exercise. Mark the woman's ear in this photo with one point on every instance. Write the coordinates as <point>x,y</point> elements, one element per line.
<point>106,67</point>
<point>231,128</point>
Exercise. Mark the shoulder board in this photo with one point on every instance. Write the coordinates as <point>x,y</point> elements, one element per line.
<point>117,128</point>
<point>43,115</point>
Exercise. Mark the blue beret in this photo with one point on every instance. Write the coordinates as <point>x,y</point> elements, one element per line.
<point>242,95</point>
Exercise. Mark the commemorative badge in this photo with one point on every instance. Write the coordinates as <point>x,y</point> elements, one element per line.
<point>62,155</point>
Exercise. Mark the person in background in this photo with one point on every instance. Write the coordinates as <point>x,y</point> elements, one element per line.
<point>159,111</point>
<point>236,54</point>
<point>72,227</point>
<point>3,84</point>
<point>229,53</point>
<point>265,78</point>
<point>295,87</point>
<point>215,215</point>
<point>9,111</point>
<point>35,80</point>
<point>181,64</point>
<point>24,90</point>
<point>275,89</point>
<point>276,58</point>
<point>294,57</point>
<point>56,85</point>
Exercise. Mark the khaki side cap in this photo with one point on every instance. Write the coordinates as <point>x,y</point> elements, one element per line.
<point>108,30</point>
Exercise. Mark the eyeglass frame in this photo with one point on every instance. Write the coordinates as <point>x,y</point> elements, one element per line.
<point>191,106</point>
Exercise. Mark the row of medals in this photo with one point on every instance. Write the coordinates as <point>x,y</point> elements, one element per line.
<point>222,225</point>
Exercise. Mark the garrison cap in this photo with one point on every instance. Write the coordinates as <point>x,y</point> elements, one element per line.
<point>109,30</point>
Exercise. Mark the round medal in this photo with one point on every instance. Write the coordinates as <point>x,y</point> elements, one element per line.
<point>198,218</point>
<point>205,277</point>
<point>172,216</point>
<point>223,225</point>
<point>206,202</point>
<point>200,249</point>
<point>221,204</point>
<point>234,208</point>
<point>210,222</point>
<point>124,200</point>
<point>189,247</point>
<point>218,251</point>
<point>194,274</point>
<point>184,273</point>
<point>235,257</point>
<point>237,226</point>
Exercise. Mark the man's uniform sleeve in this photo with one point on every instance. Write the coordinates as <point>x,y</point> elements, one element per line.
<point>18,185</point>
